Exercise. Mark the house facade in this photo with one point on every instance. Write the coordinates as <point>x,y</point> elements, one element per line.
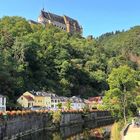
<point>2,103</point>
<point>26,101</point>
<point>39,99</point>
<point>46,99</point>
<point>49,101</point>
<point>77,103</point>
<point>93,102</point>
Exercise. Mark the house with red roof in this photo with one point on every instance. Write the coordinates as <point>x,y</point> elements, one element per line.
<point>26,100</point>
<point>93,102</point>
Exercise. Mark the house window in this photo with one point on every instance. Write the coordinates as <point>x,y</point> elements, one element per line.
<point>52,106</point>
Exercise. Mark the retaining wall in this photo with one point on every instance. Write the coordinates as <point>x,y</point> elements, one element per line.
<point>18,126</point>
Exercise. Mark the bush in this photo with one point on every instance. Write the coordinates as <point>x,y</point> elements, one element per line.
<point>115,132</point>
<point>56,117</point>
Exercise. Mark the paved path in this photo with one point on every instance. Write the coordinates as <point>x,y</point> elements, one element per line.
<point>133,133</point>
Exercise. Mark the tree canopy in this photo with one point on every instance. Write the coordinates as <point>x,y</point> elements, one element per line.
<point>33,57</point>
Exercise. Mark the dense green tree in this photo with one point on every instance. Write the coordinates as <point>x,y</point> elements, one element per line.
<point>121,81</point>
<point>34,57</point>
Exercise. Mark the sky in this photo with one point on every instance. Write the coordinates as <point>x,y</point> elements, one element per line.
<point>95,16</point>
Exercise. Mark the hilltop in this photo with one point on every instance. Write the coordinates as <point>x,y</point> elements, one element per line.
<point>34,57</point>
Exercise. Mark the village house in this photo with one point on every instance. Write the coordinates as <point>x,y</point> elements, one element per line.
<point>26,100</point>
<point>55,100</point>
<point>2,103</point>
<point>77,103</point>
<point>39,99</point>
<point>64,101</point>
<point>48,100</point>
<point>93,102</point>
<point>31,99</point>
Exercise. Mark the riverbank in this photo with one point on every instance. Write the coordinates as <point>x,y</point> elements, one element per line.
<point>20,125</point>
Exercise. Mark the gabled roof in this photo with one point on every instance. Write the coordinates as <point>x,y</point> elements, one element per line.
<point>63,99</point>
<point>29,98</point>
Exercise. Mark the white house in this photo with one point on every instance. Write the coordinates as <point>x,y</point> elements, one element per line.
<point>77,103</point>
<point>2,103</point>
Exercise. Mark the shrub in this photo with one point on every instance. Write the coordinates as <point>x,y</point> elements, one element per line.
<point>56,117</point>
<point>115,131</point>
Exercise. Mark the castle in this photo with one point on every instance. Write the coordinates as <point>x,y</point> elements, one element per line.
<point>63,22</point>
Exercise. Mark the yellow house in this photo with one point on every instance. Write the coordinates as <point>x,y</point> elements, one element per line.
<point>46,99</point>
<point>26,101</point>
<point>29,94</point>
<point>40,99</point>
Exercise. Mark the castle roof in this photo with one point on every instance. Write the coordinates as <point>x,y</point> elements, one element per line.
<point>32,22</point>
<point>52,17</point>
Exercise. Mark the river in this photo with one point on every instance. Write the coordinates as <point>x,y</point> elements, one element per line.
<point>87,131</point>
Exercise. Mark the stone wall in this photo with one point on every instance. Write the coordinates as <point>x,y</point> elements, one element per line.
<point>22,125</point>
<point>18,126</point>
<point>71,118</point>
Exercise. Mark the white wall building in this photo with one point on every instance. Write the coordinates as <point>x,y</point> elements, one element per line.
<point>77,103</point>
<point>2,103</point>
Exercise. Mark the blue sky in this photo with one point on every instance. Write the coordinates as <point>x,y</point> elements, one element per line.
<point>95,16</point>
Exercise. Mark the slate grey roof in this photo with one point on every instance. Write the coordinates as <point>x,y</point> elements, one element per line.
<point>33,22</point>
<point>47,94</point>
<point>75,99</point>
<point>52,17</point>
<point>72,21</point>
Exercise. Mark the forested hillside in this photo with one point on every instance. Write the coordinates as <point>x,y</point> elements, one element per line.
<point>33,57</point>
